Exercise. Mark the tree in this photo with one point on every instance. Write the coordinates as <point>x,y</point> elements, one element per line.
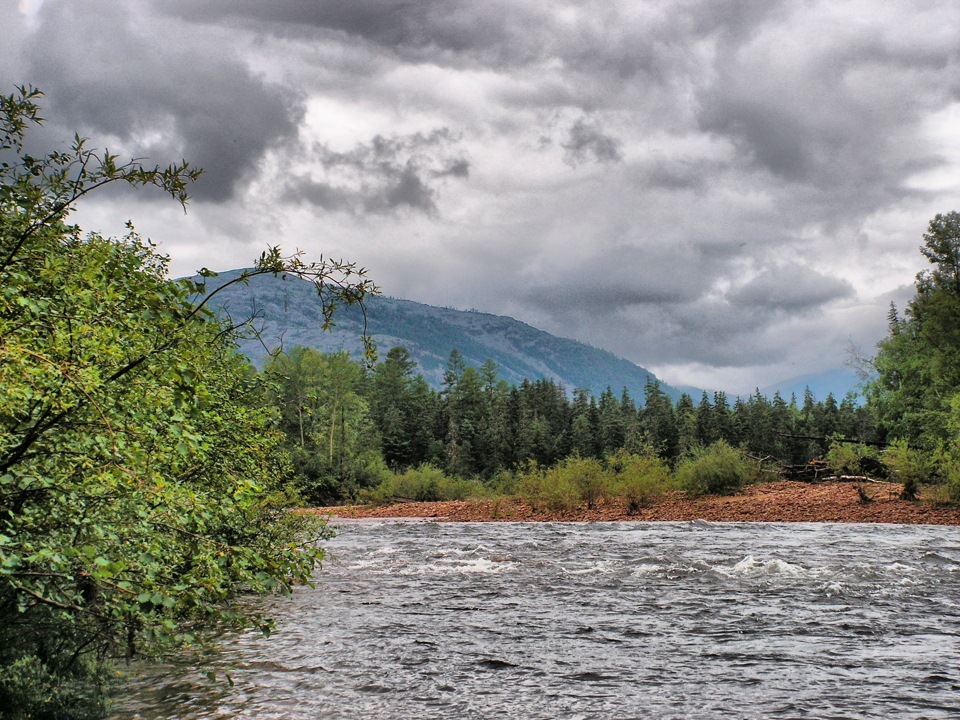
<point>584,425</point>
<point>686,415</point>
<point>466,417</point>
<point>659,420</point>
<point>918,364</point>
<point>611,424</point>
<point>941,246</point>
<point>140,483</point>
<point>391,404</point>
<point>324,413</point>
<point>496,438</point>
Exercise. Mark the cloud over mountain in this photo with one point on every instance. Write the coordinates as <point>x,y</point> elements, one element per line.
<point>726,191</point>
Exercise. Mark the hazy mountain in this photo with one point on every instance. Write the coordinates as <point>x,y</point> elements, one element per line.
<point>288,313</point>
<point>838,381</point>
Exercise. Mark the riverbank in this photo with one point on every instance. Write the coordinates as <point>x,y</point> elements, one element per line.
<point>781,501</point>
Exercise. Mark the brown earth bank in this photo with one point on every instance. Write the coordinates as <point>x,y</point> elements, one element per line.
<point>782,501</point>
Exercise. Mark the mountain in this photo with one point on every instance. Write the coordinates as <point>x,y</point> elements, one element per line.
<point>288,314</point>
<point>838,381</point>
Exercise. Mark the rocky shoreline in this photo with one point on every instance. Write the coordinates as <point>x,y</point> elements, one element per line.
<point>781,501</point>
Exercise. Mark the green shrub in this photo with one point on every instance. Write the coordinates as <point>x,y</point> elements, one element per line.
<point>588,476</point>
<point>946,493</point>
<point>719,469</point>
<point>423,484</point>
<point>30,689</point>
<point>947,471</point>
<point>641,480</point>
<point>848,458</point>
<point>909,466</point>
<point>502,483</point>
<point>567,486</point>
<point>549,490</point>
<point>843,458</point>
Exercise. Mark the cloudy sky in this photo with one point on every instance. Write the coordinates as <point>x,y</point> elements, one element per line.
<point>727,192</point>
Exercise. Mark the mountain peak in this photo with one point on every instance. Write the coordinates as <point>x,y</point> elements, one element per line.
<point>288,314</point>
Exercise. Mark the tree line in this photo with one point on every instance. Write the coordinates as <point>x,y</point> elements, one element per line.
<point>346,425</point>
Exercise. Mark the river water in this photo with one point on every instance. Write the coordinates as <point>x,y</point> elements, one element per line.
<point>598,620</point>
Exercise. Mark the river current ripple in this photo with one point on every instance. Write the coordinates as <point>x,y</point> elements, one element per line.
<point>606,620</point>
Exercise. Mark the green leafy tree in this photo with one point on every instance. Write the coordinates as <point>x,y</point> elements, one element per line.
<point>140,480</point>
<point>324,412</point>
<point>918,364</point>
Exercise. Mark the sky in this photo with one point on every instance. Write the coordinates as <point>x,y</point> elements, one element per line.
<point>729,193</point>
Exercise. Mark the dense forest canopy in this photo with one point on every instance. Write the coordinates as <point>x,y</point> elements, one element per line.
<point>346,427</point>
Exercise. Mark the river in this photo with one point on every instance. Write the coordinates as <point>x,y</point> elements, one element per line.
<point>597,620</point>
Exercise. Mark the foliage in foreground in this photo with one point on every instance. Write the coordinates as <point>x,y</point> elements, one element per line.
<point>140,476</point>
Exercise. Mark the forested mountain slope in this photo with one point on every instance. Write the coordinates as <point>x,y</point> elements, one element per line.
<point>289,314</point>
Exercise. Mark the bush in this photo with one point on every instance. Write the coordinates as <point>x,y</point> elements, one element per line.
<point>502,483</point>
<point>589,477</point>
<point>642,480</point>
<point>568,485</point>
<point>549,490</point>
<point>30,689</point>
<point>946,473</point>
<point>853,459</point>
<point>910,467</point>
<point>719,469</point>
<point>423,484</point>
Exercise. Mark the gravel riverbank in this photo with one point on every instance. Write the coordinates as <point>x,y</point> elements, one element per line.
<point>781,501</point>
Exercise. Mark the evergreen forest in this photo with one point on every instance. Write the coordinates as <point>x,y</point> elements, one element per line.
<point>350,430</point>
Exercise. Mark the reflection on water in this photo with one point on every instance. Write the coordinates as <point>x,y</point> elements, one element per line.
<point>623,620</point>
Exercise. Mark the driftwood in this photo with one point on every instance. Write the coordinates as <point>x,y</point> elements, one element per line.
<point>813,471</point>
<point>826,440</point>
<point>854,478</point>
<point>820,471</point>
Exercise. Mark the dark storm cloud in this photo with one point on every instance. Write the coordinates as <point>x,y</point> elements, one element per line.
<point>699,307</point>
<point>832,119</point>
<point>496,32</point>
<point>586,142</point>
<point>386,174</point>
<point>722,157</point>
<point>622,278</point>
<point>164,99</point>
<point>598,296</point>
<point>807,123</point>
<point>791,289</point>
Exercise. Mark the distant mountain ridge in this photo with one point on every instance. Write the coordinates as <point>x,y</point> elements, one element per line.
<point>288,313</point>
<point>838,381</point>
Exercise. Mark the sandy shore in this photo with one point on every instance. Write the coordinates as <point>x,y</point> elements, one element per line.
<point>781,501</point>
